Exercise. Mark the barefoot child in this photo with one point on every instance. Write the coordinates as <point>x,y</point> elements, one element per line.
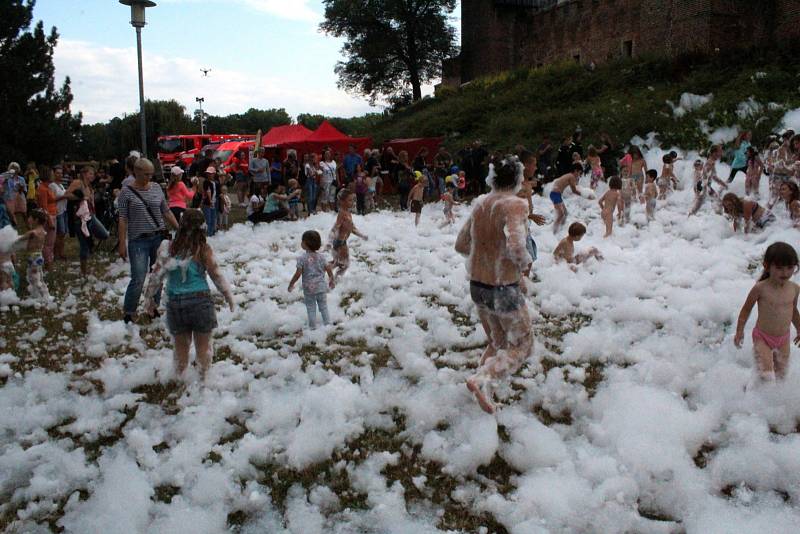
<point>753,173</point>
<point>608,202</point>
<point>776,296</point>
<point>185,262</point>
<point>415,197</point>
<point>311,265</point>
<point>565,251</point>
<point>668,181</point>
<point>449,202</point>
<point>341,231</point>
<point>638,169</point>
<point>559,185</point>
<point>34,241</point>
<point>225,209</point>
<point>650,194</point>
<point>593,159</point>
<point>627,194</point>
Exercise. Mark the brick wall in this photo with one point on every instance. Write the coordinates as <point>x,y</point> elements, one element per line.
<point>497,38</point>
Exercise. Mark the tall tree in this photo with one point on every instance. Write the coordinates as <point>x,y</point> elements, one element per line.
<point>35,119</point>
<point>390,45</point>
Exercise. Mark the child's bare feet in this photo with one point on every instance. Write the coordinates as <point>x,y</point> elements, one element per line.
<point>485,404</point>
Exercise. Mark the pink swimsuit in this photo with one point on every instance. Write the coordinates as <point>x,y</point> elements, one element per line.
<point>773,342</point>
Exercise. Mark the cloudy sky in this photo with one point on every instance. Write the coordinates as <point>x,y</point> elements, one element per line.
<point>262,53</point>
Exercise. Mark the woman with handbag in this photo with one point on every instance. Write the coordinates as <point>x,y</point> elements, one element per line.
<point>143,216</point>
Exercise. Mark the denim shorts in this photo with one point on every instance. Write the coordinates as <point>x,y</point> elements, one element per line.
<point>500,299</point>
<point>191,313</point>
<point>61,223</point>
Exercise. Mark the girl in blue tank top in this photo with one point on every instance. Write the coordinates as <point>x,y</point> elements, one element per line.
<point>186,262</point>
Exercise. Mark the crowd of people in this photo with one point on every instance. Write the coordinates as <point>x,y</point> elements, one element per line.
<point>497,238</point>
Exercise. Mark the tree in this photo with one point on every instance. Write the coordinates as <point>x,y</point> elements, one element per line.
<point>390,44</point>
<point>35,119</point>
<point>248,122</point>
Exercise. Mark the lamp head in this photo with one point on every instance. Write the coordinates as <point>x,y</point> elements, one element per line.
<point>137,11</point>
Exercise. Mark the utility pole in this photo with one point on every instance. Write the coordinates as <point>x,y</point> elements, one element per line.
<point>200,101</point>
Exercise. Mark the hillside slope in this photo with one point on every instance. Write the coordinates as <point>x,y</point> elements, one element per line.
<point>751,89</point>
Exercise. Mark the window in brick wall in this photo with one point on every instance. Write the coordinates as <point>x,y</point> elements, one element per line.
<point>627,48</point>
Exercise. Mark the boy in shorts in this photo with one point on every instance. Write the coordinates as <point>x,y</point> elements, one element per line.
<point>415,197</point>
<point>559,185</point>
<point>341,230</point>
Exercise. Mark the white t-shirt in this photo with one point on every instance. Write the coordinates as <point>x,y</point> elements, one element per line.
<point>254,200</point>
<point>328,172</point>
<point>58,190</point>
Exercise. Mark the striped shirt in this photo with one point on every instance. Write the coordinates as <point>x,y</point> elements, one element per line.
<point>134,211</point>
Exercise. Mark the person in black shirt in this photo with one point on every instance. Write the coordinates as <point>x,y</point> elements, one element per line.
<point>564,157</point>
<point>545,156</point>
<point>608,155</point>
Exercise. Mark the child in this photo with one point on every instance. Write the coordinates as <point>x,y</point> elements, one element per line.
<point>9,279</point>
<point>225,204</point>
<point>82,213</point>
<point>753,173</point>
<point>312,267</point>
<point>749,210</point>
<point>415,197</point>
<point>608,202</point>
<point>638,169</point>
<point>294,193</point>
<point>449,201</point>
<point>699,190</point>
<point>627,194</point>
<point>34,241</point>
<point>185,262</point>
<point>668,180</point>
<point>361,187</point>
<point>559,185</point>
<point>372,188</point>
<point>650,194</point>
<point>593,159</point>
<point>341,230</point>
<point>565,251</point>
<point>776,296</point>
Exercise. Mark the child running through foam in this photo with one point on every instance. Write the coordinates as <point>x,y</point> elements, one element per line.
<point>184,262</point>
<point>610,201</point>
<point>34,242</point>
<point>593,159</point>
<point>565,251</point>
<point>341,231</point>
<point>311,265</point>
<point>776,296</point>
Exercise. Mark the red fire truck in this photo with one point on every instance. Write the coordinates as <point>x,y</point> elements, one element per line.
<point>173,147</point>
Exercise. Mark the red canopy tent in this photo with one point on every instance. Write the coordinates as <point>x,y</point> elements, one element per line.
<point>281,135</point>
<point>413,145</point>
<point>328,136</point>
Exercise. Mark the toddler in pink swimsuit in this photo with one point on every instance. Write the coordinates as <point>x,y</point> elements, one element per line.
<point>776,296</point>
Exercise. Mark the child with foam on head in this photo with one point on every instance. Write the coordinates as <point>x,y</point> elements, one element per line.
<point>34,242</point>
<point>341,231</point>
<point>565,251</point>
<point>184,262</point>
<point>776,296</point>
<point>609,202</point>
<point>311,265</point>
<point>415,197</point>
<point>650,194</point>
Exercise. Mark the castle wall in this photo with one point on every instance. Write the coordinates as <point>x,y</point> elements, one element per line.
<point>501,37</point>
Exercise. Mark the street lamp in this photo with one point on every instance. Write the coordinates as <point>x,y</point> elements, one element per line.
<point>138,22</point>
<point>200,101</point>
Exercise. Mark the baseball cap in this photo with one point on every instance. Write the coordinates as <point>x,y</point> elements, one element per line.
<point>211,170</point>
<point>177,171</point>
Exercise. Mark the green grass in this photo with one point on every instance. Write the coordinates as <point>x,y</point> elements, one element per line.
<point>624,98</point>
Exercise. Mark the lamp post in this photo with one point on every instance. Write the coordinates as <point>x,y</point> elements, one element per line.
<point>200,101</point>
<point>138,22</point>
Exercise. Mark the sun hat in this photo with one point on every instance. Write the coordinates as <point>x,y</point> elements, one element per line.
<point>177,171</point>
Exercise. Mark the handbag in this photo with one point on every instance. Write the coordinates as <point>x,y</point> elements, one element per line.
<point>163,231</point>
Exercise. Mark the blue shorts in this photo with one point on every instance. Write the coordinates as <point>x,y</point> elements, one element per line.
<point>555,196</point>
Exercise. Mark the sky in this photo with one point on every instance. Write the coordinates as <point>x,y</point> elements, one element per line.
<point>262,54</point>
